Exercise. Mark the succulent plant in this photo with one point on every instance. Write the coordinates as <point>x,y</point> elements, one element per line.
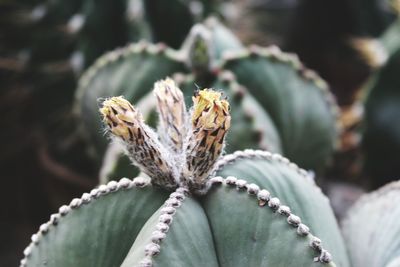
<point>372,225</point>
<point>281,99</point>
<point>182,212</point>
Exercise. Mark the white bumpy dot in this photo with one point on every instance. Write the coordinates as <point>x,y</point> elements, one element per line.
<point>264,195</point>
<point>268,154</point>
<point>44,228</point>
<point>103,189</point>
<point>277,157</point>
<point>303,229</point>
<point>240,154</point>
<point>172,202</point>
<point>303,172</point>
<point>316,243</point>
<point>146,263</point>
<point>23,263</point>
<point>253,189</point>
<point>112,186</point>
<point>63,210</point>
<point>86,198</point>
<point>284,210</point>
<point>285,160</point>
<point>157,236</point>
<point>241,184</point>
<point>124,183</point>
<point>274,203</point>
<point>325,256</point>
<point>152,249</point>
<point>178,196</point>
<point>182,190</point>
<point>230,180</point>
<point>165,218</point>
<point>35,238</point>
<point>216,180</point>
<point>163,227</point>
<point>168,210</point>
<point>54,218</point>
<point>293,165</point>
<point>94,193</point>
<point>27,251</point>
<point>294,220</point>
<point>229,158</point>
<point>75,203</point>
<point>139,182</point>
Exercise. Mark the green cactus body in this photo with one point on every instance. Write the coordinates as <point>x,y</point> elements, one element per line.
<point>122,72</point>
<point>235,224</point>
<point>287,98</point>
<point>294,100</point>
<point>249,208</point>
<point>371,230</point>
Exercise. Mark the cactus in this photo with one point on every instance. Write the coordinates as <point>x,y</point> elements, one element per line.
<point>182,212</point>
<point>296,102</point>
<point>372,225</point>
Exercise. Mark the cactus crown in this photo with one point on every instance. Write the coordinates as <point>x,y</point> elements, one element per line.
<point>184,151</point>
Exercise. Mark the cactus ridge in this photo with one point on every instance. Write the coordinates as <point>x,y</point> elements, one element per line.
<point>374,217</point>
<point>274,53</point>
<point>165,219</point>
<point>176,199</point>
<point>265,199</point>
<point>120,54</point>
<point>109,59</point>
<point>76,203</point>
<point>367,198</point>
<point>260,154</point>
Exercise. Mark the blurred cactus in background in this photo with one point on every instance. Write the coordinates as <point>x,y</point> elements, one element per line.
<point>229,182</point>
<point>270,90</point>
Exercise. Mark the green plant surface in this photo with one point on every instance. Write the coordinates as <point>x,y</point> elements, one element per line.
<point>371,229</point>
<point>234,224</point>
<point>99,232</point>
<point>251,234</point>
<point>293,98</point>
<point>121,72</point>
<point>297,100</point>
<point>188,242</point>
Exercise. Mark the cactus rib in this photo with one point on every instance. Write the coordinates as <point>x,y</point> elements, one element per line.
<point>165,219</point>
<point>274,53</point>
<point>76,203</point>
<point>121,53</point>
<point>253,154</point>
<point>110,58</point>
<point>265,199</point>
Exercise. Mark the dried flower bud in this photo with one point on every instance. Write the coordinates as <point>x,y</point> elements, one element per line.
<point>140,141</point>
<point>173,115</point>
<point>210,122</point>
